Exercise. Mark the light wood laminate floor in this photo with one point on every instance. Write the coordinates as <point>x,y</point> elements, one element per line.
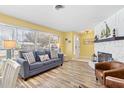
<point>71,75</point>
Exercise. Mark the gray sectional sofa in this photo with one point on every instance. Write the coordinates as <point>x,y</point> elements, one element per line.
<point>28,70</point>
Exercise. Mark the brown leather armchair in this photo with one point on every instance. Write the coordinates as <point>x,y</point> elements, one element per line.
<point>103,69</point>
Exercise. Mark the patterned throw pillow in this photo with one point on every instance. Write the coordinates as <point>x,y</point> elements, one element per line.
<point>54,53</point>
<point>44,57</point>
<point>29,57</point>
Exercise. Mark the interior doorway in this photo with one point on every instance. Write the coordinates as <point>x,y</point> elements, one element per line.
<point>76,46</point>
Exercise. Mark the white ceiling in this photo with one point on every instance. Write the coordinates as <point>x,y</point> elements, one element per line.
<point>70,18</point>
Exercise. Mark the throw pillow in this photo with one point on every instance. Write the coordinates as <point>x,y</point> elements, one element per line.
<point>29,57</point>
<point>54,53</point>
<point>42,58</point>
<point>46,57</point>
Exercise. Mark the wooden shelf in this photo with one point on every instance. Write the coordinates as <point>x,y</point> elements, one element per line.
<point>110,39</point>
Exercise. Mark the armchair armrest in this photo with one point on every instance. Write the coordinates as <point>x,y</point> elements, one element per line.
<point>118,73</point>
<point>114,82</point>
<point>24,67</point>
<point>102,65</point>
<point>61,56</point>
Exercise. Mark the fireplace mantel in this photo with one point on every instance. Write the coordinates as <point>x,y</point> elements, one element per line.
<point>110,39</point>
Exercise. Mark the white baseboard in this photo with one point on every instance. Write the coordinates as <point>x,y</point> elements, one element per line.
<point>83,60</point>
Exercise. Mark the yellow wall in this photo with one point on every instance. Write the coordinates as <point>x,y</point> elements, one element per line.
<point>18,22</point>
<point>68,47</point>
<point>86,50</point>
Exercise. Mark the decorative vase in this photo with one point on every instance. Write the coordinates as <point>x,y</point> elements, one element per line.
<point>94,58</point>
<point>114,35</point>
<point>96,37</point>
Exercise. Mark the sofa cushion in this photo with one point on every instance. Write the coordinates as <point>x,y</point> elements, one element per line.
<point>55,59</point>
<point>42,52</point>
<point>51,61</point>
<point>48,52</point>
<point>36,65</point>
<point>47,62</point>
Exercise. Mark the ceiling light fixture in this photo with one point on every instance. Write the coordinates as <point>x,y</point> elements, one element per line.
<point>58,7</point>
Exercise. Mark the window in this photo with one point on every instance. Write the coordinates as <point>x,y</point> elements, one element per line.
<point>26,39</point>
<point>43,40</point>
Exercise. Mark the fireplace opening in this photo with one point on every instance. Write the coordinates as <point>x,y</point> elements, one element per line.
<point>102,56</point>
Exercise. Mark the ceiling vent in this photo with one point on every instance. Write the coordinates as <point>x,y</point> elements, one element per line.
<point>58,7</point>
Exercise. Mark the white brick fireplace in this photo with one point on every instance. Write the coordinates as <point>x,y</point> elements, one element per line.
<point>116,48</point>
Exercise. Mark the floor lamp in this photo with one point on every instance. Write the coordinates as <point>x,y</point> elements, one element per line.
<point>9,44</point>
